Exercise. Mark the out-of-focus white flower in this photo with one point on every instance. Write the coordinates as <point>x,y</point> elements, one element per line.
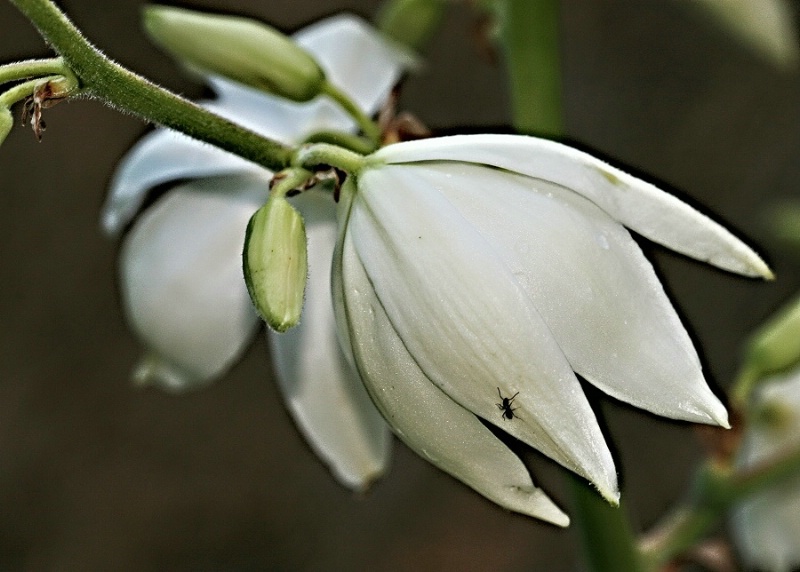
<point>766,25</point>
<point>766,526</point>
<point>181,271</point>
<point>476,268</point>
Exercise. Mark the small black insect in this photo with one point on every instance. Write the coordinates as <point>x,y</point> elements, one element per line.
<point>505,405</point>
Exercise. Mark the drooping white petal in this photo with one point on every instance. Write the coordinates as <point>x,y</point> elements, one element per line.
<point>159,157</point>
<point>324,393</point>
<point>766,527</point>
<point>589,281</point>
<point>356,58</point>
<point>424,417</point>
<point>467,321</point>
<point>638,205</point>
<point>182,284</point>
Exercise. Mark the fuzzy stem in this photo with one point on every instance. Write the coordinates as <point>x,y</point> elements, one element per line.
<point>367,126</point>
<point>118,87</point>
<point>32,68</point>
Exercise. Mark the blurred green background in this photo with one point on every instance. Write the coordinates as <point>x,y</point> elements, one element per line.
<point>97,475</point>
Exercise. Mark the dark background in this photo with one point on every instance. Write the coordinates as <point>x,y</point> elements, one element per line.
<point>96,475</point>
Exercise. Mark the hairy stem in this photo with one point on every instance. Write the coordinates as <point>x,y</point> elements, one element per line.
<point>108,81</point>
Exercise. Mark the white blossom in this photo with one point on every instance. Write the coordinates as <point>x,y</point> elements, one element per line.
<point>472,268</point>
<point>181,276</point>
<point>766,526</point>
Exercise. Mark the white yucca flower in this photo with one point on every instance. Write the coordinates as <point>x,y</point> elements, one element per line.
<point>766,526</point>
<point>181,268</point>
<point>471,269</point>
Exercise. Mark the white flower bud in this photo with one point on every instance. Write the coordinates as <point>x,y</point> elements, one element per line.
<point>275,263</point>
<point>245,50</point>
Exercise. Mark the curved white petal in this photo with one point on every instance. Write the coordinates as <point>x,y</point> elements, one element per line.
<point>424,417</point>
<point>324,393</point>
<point>271,116</point>
<point>159,157</point>
<point>638,205</point>
<point>590,282</point>
<point>356,58</point>
<point>182,284</point>
<point>467,321</point>
<point>766,525</point>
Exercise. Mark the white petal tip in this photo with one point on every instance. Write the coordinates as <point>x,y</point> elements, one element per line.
<point>754,266</point>
<point>152,370</point>
<point>111,223</point>
<point>534,502</point>
<point>359,482</point>
<point>612,497</point>
<point>718,415</point>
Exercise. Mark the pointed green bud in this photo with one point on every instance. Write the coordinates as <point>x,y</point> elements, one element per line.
<point>775,347</point>
<point>275,264</point>
<point>244,50</point>
<point>6,122</point>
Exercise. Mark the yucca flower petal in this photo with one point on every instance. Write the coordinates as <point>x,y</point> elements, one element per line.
<point>197,289</point>
<point>422,415</point>
<point>494,267</point>
<point>184,292</point>
<point>636,204</point>
<point>322,390</point>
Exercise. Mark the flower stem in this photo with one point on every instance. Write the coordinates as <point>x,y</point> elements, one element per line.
<point>366,124</point>
<point>717,489</point>
<point>605,532</point>
<point>108,81</point>
<point>32,68</point>
<point>530,40</point>
<point>19,92</point>
<point>288,180</point>
<point>317,154</point>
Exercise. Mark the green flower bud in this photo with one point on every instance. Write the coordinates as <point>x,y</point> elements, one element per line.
<point>775,347</point>
<point>245,50</point>
<point>275,264</point>
<point>6,122</point>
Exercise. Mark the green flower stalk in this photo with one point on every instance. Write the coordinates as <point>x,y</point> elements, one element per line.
<point>773,349</point>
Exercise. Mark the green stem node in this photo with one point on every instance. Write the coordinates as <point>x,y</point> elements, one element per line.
<point>319,154</point>
<point>33,68</point>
